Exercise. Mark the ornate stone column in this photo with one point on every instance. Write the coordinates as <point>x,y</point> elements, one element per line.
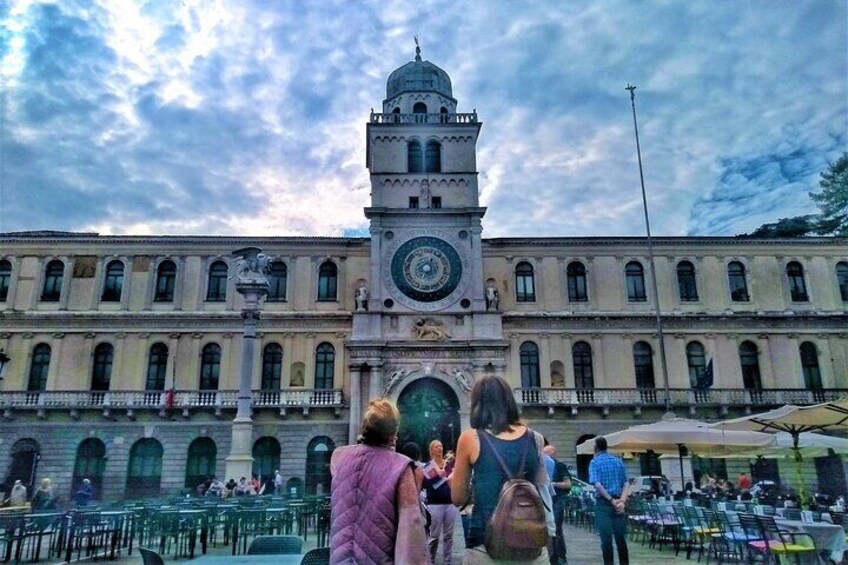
<point>355,401</point>
<point>252,283</point>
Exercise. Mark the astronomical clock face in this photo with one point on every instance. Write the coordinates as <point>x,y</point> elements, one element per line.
<point>427,271</point>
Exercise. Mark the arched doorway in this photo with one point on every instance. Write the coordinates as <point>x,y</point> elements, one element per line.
<point>144,475</point>
<point>25,456</point>
<point>266,458</point>
<point>318,455</point>
<point>583,460</point>
<point>429,409</point>
<point>89,464</point>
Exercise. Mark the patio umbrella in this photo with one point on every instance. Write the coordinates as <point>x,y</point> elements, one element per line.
<point>673,435</point>
<point>810,444</point>
<point>794,420</point>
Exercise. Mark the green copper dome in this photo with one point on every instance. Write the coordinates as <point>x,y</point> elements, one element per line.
<point>418,76</point>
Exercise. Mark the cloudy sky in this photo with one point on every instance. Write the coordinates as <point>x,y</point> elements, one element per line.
<point>240,117</point>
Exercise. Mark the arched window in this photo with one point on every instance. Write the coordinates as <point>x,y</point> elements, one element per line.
<point>266,457</point>
<point>643,361</point>
<point>6,279</point>
<point>737,281</point>
<point>635,276</point>
<point>841,278</point>
<point>686,282</point>
<point>294,487</point>
<point>39,368</point>
<point>325,362</point>
<point>89,464</point>
<point>101,372</point>
<point>414,157</point>
<point>272,366</point>
<point>278,279</point>
<point>529,355</point>
<point>420,108</point>
<point>113,284</point>
<point>444,118</point>
<point>584,376</point>
<point>433,157</point>
<point>576,276</point>
<point>210,366</point>
<point>795,278</point>
<point>144,473</point>
<point>696,359</point>
<point>749,359</point>
<point>53,275</point>
<point>157,367</point>
<point>216,291</point>
<point>810,366</point>
<point>328,276</point>
<point>201,463</point>
<point>318,464</point>
<point>166,278</point>
<point>525,288</point>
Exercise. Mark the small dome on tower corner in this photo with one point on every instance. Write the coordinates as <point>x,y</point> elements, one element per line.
<point>418,76</point>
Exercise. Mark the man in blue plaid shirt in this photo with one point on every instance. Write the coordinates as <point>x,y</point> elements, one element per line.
<point>608,476</point>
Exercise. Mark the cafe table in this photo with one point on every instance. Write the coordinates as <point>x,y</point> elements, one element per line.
<point>828,537</point>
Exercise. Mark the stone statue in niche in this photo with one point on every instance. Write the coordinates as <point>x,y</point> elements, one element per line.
<point>397,376</point>
<point>429,329</point>
<point>462,379</point>
<point>252,266</point>
<point>426,195</point>
<point>297,377</point>
<point>361,298</point>
<point>492,298</point>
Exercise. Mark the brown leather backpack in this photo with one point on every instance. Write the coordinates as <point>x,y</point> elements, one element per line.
<point>517,529</point>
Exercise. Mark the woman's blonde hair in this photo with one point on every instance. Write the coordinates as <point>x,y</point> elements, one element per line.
<point>434,442</point>
<point>380,422</point>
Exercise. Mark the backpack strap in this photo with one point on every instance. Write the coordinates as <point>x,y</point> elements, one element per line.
<point>485,435</point>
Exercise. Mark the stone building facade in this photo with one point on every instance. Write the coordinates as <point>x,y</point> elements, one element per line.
<point>125,350</point>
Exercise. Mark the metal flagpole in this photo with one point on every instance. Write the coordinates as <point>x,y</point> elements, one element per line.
<point>668,413</point>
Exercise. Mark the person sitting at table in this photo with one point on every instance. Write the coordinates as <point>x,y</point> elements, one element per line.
<point>229,488</point>
<point>255,484</point>
<point>43,499</point>
<point>216,488</point>
<point>243,488</point>
<point>84,495</point>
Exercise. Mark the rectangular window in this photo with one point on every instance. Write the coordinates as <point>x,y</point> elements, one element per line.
<point>413,202</point>
<point>437,202</point>
<point>5,279</point>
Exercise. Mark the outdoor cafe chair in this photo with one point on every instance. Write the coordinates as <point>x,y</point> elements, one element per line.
<point>320,556</point>
<point>275,545</point>
<point>150,557</point>
<point>792,514</point>
<point>773,541</point>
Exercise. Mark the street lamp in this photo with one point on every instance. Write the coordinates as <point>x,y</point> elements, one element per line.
<point>4,362</point>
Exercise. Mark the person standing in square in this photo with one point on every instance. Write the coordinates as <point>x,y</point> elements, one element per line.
<point>607,474</point>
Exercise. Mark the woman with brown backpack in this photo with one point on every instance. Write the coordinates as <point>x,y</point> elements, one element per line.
<point>512,518</point>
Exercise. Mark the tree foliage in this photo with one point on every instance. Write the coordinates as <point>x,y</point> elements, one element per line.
<point>832,199</point>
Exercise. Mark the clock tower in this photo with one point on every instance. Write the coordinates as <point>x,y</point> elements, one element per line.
<point>429,312</point>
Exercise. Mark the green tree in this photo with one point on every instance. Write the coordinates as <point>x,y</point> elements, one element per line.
<point>788,227</point>
<point>832,199</point>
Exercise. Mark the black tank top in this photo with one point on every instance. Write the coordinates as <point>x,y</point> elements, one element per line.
<point>489,477</point>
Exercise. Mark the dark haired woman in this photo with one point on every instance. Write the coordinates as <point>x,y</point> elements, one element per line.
<point>495,414</point>
<point>375,512</point>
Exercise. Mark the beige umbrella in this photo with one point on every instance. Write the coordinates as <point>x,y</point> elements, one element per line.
<point>810,444</point>
<point>675,434</point>
<point>794,420</point>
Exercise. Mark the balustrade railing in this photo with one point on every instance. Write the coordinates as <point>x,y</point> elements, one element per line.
<point>439,118</point>
<point>607,397</point>
<point>157,399</point>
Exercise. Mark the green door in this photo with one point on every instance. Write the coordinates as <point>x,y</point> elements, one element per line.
<point>429,410</point>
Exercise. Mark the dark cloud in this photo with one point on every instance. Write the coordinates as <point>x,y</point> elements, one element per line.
<point>249,117</point>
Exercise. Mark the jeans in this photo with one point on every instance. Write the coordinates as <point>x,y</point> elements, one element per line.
<point>556,548</point>
<point>442,525</point>
<point>611,524</point>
